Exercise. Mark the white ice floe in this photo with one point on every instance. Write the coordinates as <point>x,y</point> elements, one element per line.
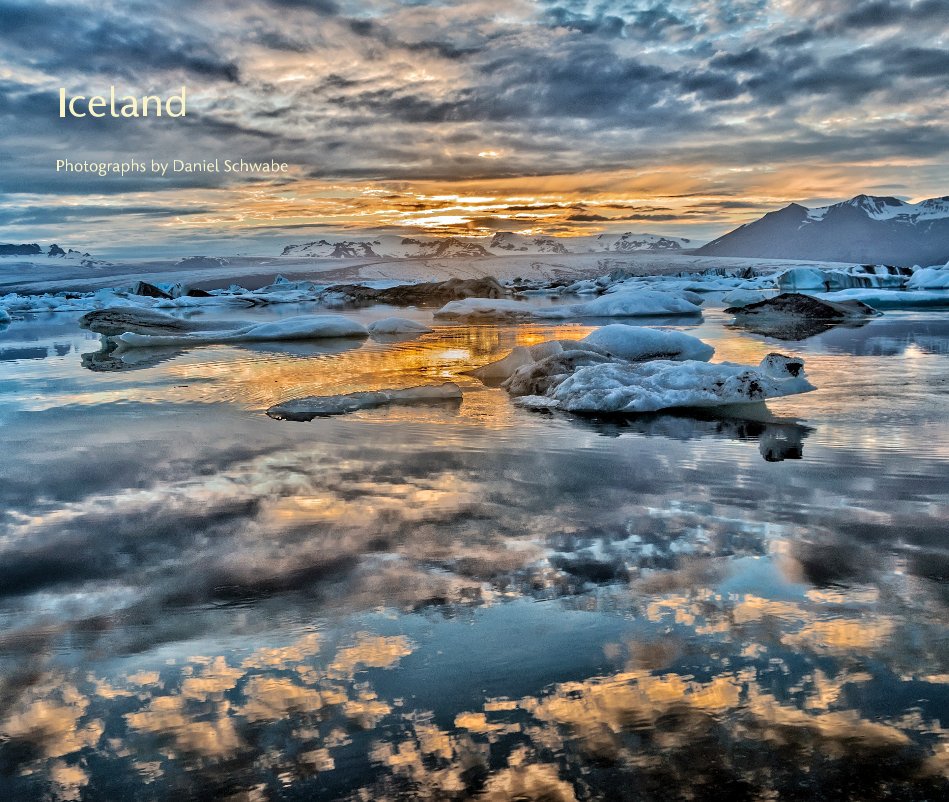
<point>624,387</point>
<point>4,316</point>
<point>631,303</point>
<point>474,309</point>
<point>398,325</point>
<point>303,327</point>
<point>316,406</point>
<point>634,343</point>
<point>890,299</point>
<point>638,343</point>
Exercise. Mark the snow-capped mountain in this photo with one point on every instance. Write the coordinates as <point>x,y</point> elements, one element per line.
<point>500,244</point>
<point>509,242</point>
<point>388,246</point>
<point>866,229</point>
<point>624,243</point>
<point>34,252</point>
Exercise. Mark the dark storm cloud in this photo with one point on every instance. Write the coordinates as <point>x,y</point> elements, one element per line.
<point>412,91</point>
<point>47,215</point>
<point>322,7</point>
<point>883,13</point>
<point>68,38</point>
<point>605,25</point>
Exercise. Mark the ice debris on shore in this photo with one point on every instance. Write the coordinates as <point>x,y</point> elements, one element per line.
<point>302,327</point>
<point>318,406</point>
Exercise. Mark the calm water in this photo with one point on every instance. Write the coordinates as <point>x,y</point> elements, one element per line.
<point>449,602</point>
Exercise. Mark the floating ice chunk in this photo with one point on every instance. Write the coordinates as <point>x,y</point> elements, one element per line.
<point>638,343</point>
<point>662,384</point>
<point>631,303</point>
<point>303,327</point>
<point>398,325</point>
<point>4,316</point>
<point>537,378</point>
<point>929,278</point>
<point>474,309</point>
<point>120,319</point>
<point>504,368</point>
<point>314,406</point>
<point>520,355</point>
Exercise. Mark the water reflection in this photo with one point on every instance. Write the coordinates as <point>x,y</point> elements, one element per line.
<point>197,601</point>
<point>777,439</point>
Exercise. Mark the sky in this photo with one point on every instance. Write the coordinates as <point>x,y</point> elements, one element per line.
<point>558,117</point>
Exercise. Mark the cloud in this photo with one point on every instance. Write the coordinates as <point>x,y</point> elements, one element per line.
<point>410,92</point>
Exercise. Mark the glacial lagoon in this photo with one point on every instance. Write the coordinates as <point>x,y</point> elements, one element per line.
<point>470,600</point>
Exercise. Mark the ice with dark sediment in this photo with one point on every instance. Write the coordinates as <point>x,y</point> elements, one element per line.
<point>319,406</point>
<point>301,327</point>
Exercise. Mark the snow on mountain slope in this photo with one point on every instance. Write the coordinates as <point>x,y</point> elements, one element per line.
<point>864,229</point>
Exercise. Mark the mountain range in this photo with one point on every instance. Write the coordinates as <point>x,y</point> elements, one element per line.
<point>502,243</point>
<point>53,252</point>
<point>865,229</point>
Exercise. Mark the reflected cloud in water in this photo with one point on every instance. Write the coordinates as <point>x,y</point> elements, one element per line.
<point>198,601</point>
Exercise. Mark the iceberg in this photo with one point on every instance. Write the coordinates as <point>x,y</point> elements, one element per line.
<point>890,299</point>
<point>813,278</point>
<point>743,297</point>
<point>472,310</point>
<point>303,327</point>
<point>615,387</point>
<point>637,343</point>
<point>519,357</point>
<point>319,406</point>
<point>120,319</point>
<point>628,303</point>
<point>614,340</point>
<point>929,278</point>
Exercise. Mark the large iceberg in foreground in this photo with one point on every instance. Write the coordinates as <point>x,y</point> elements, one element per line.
<point>302,327</point>
<point>634,343</point>
<point>626,387</point>
<point>318,406</point>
